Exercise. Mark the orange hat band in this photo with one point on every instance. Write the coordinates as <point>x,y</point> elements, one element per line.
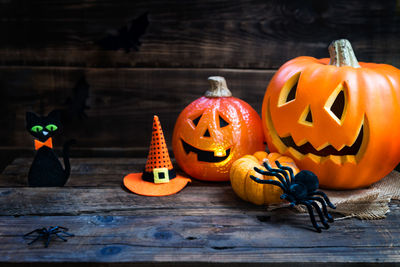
<point>159,175</point>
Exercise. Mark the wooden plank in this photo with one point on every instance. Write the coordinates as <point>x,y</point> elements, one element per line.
<point>85,166</point>
<point>86,172</point>
<point>206,223</point>
<point>212,231</point>
<point>121,102</point>
<point>125,160</point>
<point>193,200</point>
<point>9,153</point>
<point>222,34</point>
<point>127,253</point>
<point>212,239</point>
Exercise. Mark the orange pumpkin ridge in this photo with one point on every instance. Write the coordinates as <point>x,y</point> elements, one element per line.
<point>335,117</point>
<point>215,130</point>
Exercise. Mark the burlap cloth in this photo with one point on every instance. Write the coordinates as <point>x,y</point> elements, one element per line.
<point>370,203</point>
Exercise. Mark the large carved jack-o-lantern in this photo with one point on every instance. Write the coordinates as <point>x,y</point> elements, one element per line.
<point>215,130</point>
<point>336,117</point>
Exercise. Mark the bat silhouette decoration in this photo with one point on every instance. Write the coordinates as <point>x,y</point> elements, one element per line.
<point>127,37</point>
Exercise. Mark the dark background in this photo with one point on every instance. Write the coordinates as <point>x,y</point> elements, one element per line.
<point>110,65</point>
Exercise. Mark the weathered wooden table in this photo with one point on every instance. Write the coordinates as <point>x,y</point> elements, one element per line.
<point>204,223</point>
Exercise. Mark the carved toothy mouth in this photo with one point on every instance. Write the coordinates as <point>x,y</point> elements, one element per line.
<point>204,155</point>
<point>347,154</point>
<point>329,149</point>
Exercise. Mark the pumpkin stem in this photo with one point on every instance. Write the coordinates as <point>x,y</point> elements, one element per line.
<point>218,87</point>
<point>342,54</point>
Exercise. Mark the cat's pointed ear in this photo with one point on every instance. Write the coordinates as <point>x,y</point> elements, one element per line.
<point>55,114</point>
<point>30,117</point>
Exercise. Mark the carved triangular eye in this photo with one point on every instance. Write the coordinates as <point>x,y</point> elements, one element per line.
<point>292,93</point>
<point>222,122</point>
<point>289,90</point>
<point>336,104</point>
<point>196,120</point>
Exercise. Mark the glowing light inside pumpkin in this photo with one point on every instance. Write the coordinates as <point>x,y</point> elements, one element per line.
<point>220,152</point>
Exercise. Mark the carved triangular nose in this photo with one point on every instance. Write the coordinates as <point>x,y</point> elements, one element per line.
<point>306,117</point>
<point>309,117</point>
<point>207,134</point>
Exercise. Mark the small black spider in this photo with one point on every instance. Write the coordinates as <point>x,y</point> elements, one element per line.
<point>299,189</point>
<point>46,234</point>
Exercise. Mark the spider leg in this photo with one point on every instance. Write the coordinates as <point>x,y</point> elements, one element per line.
<point>321,216</point>
<point>289,198</point>
<point>312,216</point>
<point>286,179</point>
<point>325,197</point>
<point>66,233</point>
<point>62,228</point>
<point>34,231</point>
<point>287,169</point>
<point>34,240</point>
<point>324,209</point>
<point>277,175</point>
<point>47,241</point>
<point>273,182</point>
<point>267,166</point>
<point>62,238</point>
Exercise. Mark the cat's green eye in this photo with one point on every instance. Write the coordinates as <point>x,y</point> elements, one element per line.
<point>36,128</point>
<point>51,127</point>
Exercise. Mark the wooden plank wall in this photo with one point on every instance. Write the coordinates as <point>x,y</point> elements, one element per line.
<point>111,65</point>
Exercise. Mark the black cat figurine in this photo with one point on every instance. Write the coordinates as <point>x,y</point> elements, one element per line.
<point>46,169</point>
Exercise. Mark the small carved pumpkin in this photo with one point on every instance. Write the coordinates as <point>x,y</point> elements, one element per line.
<point>215,130</point>
<point>335,117</point>
<point>251,191</point>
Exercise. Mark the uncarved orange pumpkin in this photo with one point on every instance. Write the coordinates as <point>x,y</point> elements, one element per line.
<point>251,191</point>
<point>335,117</point>
<point>215,130</point>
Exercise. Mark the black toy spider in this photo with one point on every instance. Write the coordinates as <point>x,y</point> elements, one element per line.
<point>46,234</point>
<point>299,189</point>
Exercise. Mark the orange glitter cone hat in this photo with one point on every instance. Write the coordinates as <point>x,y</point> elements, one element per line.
<point>159,177</point>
